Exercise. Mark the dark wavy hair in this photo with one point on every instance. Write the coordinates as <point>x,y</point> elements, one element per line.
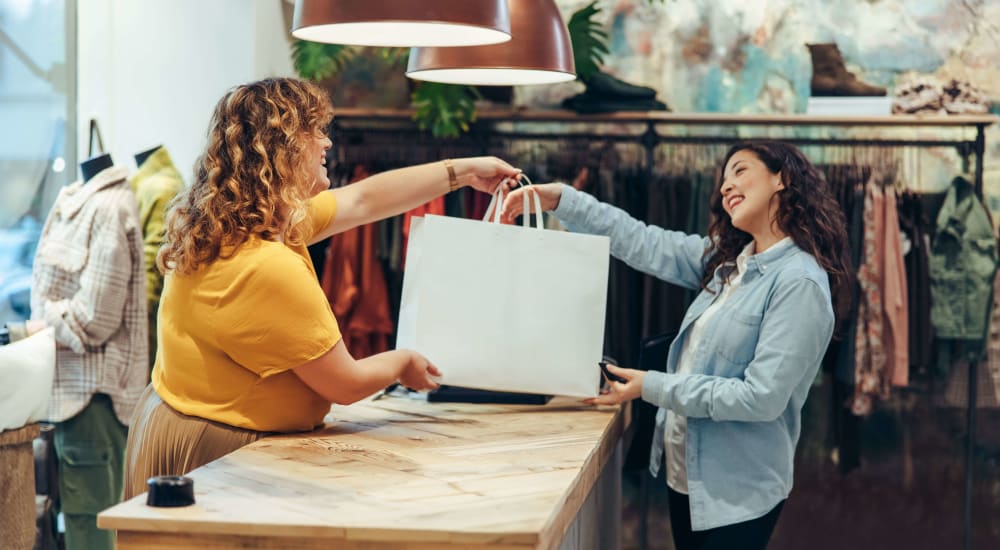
<point>807,212</point>
<point>251,181</point>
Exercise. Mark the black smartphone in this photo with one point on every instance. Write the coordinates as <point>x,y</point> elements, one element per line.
<point>609,376</point>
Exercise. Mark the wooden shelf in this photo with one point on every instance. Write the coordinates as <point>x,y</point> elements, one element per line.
<point>705,119</point>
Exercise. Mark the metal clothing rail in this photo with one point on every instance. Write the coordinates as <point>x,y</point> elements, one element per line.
<point>644,128</point>
<point>621,128</point>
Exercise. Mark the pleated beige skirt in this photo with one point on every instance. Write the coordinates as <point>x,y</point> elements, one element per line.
<point>162,441</point>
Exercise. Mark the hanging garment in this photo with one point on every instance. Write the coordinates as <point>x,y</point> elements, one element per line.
<point>852,200</point>
<point>155,184</point>
<point>625,188</point>
<point>956,392</point>
<point>989,369</point>
<point>355,285</point>
<point>674,202</point>
<point>962,261</point>
<point>435,206</point>
<point>870,358</point>
<point>476,205</point>
<point>849,189</point>
<point>702,186</point>
<point>663,304</point>
<point>894,297</point>
<point>89,286</point>
<point>912,221</point>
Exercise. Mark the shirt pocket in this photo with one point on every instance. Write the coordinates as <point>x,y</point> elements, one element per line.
<point>736,336</point>
<point>67,246</point>
<point>66,256</point>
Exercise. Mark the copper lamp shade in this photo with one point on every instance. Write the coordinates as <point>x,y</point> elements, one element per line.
<point>402,23</point>
<point>539,52</point>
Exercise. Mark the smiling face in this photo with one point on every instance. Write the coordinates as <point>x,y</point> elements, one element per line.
<point>316,156</point>
<point>748,188</point>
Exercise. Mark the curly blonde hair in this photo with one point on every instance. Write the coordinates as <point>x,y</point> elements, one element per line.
<point>253,178</point>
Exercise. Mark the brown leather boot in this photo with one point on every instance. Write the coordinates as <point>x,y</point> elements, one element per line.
<point>831,78</point>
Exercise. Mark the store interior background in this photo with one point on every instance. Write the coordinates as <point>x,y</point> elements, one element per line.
<point>150,72</point>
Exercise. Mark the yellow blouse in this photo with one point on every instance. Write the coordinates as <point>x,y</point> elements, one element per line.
<point>231,332</point>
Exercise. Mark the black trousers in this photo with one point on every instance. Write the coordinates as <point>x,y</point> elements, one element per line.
<point>748,535</point>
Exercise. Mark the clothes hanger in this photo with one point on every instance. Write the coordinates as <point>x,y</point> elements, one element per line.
<point>95,164</point>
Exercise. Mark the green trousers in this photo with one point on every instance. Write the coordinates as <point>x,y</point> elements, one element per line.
<point>91,451</point>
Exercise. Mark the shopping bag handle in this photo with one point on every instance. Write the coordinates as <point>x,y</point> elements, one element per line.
<point>526,208</point>
<point>496,203</point>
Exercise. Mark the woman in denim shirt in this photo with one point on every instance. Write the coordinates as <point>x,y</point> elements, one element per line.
<point>750,344</point>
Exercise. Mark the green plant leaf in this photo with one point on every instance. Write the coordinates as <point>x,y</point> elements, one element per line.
<point>590,41</point>
<point>447,109</point>
<point>394,56</point>
<point>316,61</point>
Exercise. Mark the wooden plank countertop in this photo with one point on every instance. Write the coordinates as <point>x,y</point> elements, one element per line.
<point>394,471</point>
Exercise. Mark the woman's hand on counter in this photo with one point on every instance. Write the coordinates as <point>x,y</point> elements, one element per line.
<point>618,392</point>
<point>419,373</point>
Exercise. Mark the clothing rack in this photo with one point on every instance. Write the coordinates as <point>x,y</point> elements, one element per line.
<point>644,128</point>
<point>966,134</point>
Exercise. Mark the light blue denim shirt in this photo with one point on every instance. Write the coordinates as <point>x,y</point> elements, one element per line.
<point>751,372</point>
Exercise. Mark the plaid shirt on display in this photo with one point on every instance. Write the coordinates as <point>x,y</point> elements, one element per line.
<point>89,285</point>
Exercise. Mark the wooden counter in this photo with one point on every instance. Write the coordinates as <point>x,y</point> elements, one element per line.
<point>403,473</point>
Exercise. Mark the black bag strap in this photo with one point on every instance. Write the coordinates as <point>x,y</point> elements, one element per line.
<point>95,132</point>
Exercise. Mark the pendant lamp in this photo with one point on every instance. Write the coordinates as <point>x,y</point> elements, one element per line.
<point>402,23</point>
<point>539,52</point>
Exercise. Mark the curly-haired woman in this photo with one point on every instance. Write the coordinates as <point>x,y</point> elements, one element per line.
<point>248,343</point>
<point>750,345</point>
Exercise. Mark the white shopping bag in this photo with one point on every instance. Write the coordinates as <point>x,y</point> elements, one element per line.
<point>506,308</point>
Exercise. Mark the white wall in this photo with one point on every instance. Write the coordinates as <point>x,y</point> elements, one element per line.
<point>150,71</point>
<point>272,39</point>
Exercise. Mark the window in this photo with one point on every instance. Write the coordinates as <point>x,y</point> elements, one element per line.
<point>37,135</point>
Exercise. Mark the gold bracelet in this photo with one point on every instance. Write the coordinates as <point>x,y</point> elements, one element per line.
<point>452,178</point>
